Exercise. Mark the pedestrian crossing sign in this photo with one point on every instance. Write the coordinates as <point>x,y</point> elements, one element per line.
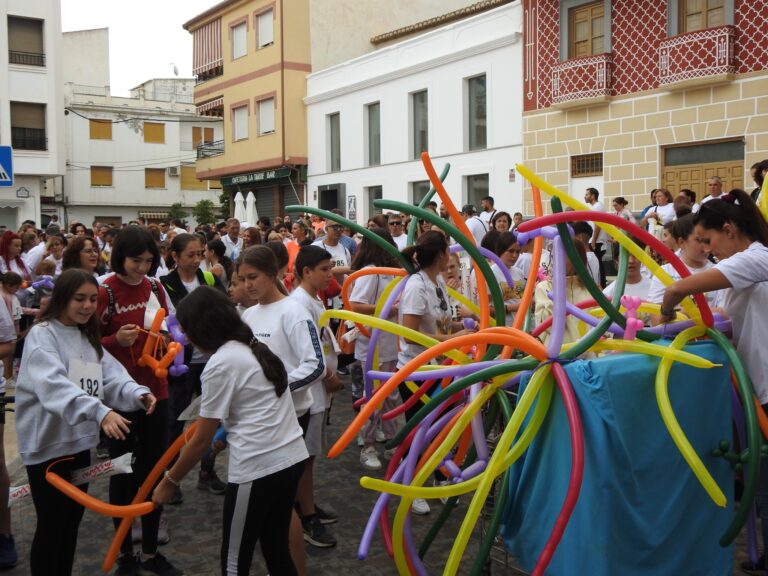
<point>6,166</point>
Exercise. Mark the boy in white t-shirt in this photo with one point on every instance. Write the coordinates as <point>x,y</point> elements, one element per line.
<point>313,269</point>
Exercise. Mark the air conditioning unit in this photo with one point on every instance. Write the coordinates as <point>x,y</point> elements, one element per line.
<point>173,171</point>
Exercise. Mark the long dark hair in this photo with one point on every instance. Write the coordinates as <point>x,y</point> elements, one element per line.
<point>428,248</point>
<point>736,208</point>
<point>210,320</point>
<point>63,291</point>
<point>218,248</point>
<point>71,255</point>
<point>371,253</point>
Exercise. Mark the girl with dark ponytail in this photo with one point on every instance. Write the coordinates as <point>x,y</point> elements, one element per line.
<point>735,232</point>
<point>244,385</point>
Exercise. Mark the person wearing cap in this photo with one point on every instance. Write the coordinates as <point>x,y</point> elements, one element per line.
<point>476,226</point>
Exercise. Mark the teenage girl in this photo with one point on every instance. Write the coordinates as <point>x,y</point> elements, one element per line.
<point>244,388</point>
<point>66,388</point>
<point>508,251</point>
<point>734,231</point>
<point>186,253</point>
<point>128,303</point>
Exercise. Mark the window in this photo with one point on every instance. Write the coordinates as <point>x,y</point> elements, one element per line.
<point>100,129</point>
<point>419,189</point>
<point>334,142</point>
<point>239,36</point>
<point>25,41</point>
<point>373,116</point>
<point>701,14</point>
<point>101,176</point>
<point>587,165</point>
<point>201,136</point>
<point>419,117</point>
<point>476,113</point>
<point>240,123</point>
<point>477,188</point>
<point>154,177</point>
<point>189,179</point>
<point>586,30</point>
<point>28,126</point>
<point>265,29</point>
<point>373,193</point>
<point>267,116</point>
<point>154,133</point>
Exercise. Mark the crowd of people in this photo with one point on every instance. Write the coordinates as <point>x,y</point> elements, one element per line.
<point>81,306</point>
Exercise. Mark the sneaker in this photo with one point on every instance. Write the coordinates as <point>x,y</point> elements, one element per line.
<point>177,498</point>
<point>160,566</point>
<point>315,533</point>
<point>136,531</point>
<point>756,569</point>
<point>446,482</point>
<point>102,452</point>
<point>344,371</point>
<point>127,565</point>
<point>325,516</point>
<point>360,441</point>
<point>369,458</point>
<point>8,556</point>
<point>379,436</point>
<point>211,482</point>
<point>163,536</point>
<point>420,507</point>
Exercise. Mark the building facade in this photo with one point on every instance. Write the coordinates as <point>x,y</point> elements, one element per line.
<point>134,156</point>
<point>452,91</point>
<point>627,95</point>
<point>251,58</point>
<point>31,106</point>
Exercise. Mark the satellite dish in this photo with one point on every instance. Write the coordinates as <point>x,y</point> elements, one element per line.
<point>175,69</point>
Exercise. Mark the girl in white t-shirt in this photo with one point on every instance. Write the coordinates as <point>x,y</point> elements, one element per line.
<point>245,388</point>
<point>508,251</point>
<point>693,254</point>
<point>735,232</point>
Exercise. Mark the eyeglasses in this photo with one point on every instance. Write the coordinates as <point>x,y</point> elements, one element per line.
<point>89,251</point>
<point>441,296</point>
<point>337,227</point>
<point>398,223</point>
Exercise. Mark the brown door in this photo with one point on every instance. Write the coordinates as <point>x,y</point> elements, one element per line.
<point>694,177</point>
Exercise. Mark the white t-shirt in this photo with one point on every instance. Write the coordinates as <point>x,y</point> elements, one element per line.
<point>709,197</point>
<point>263,434</point>
<point>746,303</point>
<point>477,228</point>
<point>593,265</point>
<point>420,298</point>
<point>368,290</point>
<point>487,217</point>
<point>320,400</point>
<point>656,293</point>
<point>289,332</point>
<point>401,241</point>
<point>232,249</point>
<point>340,256</point>
<point>602,235</point>
<point>524,263</point>
<point>641,289</point>
<point>665,213</point>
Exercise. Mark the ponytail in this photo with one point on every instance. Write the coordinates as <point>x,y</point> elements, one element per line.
<point>738,209</point>
<point>273,367</point>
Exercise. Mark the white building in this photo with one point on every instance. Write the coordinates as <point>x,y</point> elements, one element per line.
<point>453,91</point>
<point>130,157</point>
<point>31,104</point>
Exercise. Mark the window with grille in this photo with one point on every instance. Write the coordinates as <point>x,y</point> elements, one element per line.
<point>586,165</point>
<point>476,113</point>
<point>587,30</point>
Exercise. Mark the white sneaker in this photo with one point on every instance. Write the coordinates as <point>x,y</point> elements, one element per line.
<point>420,507</point>
<point>370,459</point>
<point>379,436</point>
<point>360,441</point>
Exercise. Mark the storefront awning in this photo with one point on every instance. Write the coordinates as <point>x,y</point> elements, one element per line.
<point>154,215</point>
<point>256,177</point>
<point>206,107</point>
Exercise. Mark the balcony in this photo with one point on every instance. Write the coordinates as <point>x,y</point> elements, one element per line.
<point>26,58</point>
<point>585,81</point>
<point>698,58</point>
<point>29,138</point>
<point>210,149</point>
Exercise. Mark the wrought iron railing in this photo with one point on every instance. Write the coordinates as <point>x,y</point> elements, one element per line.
<point>29,138</point>
<point>210,149</point>
<point>26,58</point>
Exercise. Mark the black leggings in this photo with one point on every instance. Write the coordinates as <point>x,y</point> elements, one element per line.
<point>260,511</point>
<point>148,440</point>
<point>58,519</point>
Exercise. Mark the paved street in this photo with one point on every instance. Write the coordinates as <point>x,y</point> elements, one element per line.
<point>196,524</point>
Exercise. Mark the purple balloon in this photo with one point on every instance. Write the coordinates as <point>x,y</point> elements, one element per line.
<point>558,290</point>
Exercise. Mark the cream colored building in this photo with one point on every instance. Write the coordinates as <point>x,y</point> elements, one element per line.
<point>251,58</point>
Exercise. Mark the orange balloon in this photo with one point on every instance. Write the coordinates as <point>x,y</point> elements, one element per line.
<point>365,272</point>
<point>530,285</point>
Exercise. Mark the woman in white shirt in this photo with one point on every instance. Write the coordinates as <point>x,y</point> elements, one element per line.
<point>735,232</point>
<point>663,212</point>
<point>245,387</point>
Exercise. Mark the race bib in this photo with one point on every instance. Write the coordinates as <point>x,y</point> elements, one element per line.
<point>86,375</point>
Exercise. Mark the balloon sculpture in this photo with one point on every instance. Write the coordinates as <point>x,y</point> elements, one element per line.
<point>450,431</point>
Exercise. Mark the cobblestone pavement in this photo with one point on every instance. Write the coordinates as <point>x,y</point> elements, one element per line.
<point>195,525</point>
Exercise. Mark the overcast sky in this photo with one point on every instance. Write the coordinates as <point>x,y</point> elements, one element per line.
<point>146,39</point>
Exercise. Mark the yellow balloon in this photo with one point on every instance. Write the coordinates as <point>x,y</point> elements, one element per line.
<point>469,304</point>
<point>673,426</point>
<point>762,202</point>
<point>654,350</point>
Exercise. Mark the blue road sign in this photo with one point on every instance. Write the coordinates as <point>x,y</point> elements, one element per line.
<point>6,166</point>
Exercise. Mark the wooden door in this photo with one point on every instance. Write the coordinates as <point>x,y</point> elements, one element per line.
<point>695,176</point>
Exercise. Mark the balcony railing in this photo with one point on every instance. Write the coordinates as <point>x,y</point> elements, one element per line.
<point>26,58</point>
<point>29,138</point>
<point>699,57</point>
<point>210,149</point>
<point>582,81</point>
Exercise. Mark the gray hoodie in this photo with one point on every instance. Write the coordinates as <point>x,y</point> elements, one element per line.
<point>54,416</point>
